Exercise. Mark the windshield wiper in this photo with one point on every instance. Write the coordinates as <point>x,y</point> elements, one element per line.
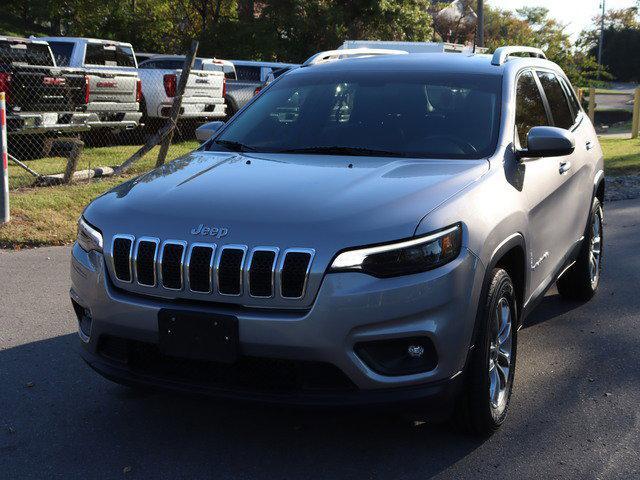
<point>341,150</point>
<point>234,146</point>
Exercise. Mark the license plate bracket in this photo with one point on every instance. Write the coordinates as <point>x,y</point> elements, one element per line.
<point>198,336</point>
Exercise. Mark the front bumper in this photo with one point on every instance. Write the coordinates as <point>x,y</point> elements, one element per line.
<point>349,308</point>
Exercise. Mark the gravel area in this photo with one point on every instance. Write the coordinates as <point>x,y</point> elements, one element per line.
<point>625,187</point>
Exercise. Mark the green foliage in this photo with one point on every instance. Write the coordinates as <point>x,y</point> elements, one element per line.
<point>534,27</point>
<point>621,41</point>
<point>287,30</point>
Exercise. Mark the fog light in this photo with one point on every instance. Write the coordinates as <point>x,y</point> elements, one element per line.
<point>415,351</point>
<point>400,356</point>
<point>84,320</point>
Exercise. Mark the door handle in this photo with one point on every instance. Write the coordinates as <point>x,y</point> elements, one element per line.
<point>565,167</point>
<point>589,145</point>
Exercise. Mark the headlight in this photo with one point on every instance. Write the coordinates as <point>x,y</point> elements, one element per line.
<point>403,258</point>
<point>89,238</point>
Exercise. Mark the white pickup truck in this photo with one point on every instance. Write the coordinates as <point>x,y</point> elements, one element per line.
<point>204,94</point>
<point>114,86</point>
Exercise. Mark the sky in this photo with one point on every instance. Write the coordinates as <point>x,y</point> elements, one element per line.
<point>576,14</point>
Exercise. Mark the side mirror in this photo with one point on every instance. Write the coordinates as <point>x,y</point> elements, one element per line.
<point>206,131</point>
<point>548,142</point>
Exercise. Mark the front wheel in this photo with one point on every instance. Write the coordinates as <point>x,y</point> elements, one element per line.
<point>581,281</point>
<point>483,404</point>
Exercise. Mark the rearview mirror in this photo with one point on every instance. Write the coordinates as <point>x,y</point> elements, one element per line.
<point>206,131</point>
<point>548,142</point>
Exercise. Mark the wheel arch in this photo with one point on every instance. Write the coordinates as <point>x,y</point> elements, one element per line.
<point>599,186</point>
<point>511,256</point>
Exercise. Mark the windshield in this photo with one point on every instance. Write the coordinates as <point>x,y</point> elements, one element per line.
<point>404,114</point>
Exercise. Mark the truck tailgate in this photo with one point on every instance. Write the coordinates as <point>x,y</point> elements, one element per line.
<point>46,89</point>
<point>203,87</point>
<point>112,87</point>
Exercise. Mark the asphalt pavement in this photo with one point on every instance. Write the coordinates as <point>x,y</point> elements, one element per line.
<point>575,412</point>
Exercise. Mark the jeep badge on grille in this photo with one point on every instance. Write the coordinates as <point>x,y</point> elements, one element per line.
<point>217,232</point>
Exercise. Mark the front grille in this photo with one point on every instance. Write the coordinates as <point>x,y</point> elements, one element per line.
<point>122,258</point>
<point>172,259</point>
<point>257,374</point>
<point>146,262</point>
<point>261,273</point>
<point>230,271</point>
<point>208,269</point>
<point>200,265</point>
<point>294,274</point>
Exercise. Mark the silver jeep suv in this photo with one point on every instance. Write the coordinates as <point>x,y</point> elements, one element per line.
<point>367,231</point>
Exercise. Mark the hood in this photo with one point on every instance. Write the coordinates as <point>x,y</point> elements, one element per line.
<point>321,202</point>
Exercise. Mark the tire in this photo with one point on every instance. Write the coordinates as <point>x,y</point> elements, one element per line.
<point>483,404</point>
<point>581,281</point>
<point>232,107</point>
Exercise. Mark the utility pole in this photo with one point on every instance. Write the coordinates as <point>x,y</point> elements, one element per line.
<point>480,27</point>
<point>601,43</point>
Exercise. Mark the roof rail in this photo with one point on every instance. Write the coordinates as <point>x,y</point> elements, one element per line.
<point>501,54</point>
<point>331,55</point>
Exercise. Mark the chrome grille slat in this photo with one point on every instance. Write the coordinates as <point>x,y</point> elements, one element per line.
<point>145,259</point>
<point>199,267</point>
<point>171,263</point>
<point>261,272</point>
<point>122,249</point>
<point>294,278</point>
<point>229,270</point>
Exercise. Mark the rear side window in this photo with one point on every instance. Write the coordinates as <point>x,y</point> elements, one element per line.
<point>171,64</point>
<point>62,52</point>
<point>558,102</point>
<point>573,101</point>
<point>251,74</point>
<point>109,55</point>
<point>23,52</point>
<point>530,111</point>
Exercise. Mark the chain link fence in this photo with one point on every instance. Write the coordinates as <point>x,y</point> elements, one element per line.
<point>67,125</point>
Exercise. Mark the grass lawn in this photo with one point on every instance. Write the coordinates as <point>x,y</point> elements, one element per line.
<point>621,156</point>
<point>95,157</point>
<point>48,215</point>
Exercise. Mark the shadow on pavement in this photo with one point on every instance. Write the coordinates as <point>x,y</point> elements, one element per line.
<point>73,422</point>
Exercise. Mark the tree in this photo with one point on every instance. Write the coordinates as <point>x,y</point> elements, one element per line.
<point>621,41</point>
<point>534,27</point>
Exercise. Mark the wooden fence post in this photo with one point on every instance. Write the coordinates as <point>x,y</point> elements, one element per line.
<point>592,104</point>
<point>177,101</point>
<point>636,114</point>
<point>72,162</point>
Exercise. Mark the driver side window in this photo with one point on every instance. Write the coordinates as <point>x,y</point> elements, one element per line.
<point>530,111</point>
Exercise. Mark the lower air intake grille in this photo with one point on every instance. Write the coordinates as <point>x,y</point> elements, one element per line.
<point>261,273</point>
<point>122,258</point>
<point>200,269</point>
<point>230,271</point>
<point>172,266</point>
<point>294,274</point>
<point>146,263</point>
<point>249,374</point>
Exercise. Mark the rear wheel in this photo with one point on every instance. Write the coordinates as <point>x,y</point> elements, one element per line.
<point>483,404</point>
<point>581,281</point>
